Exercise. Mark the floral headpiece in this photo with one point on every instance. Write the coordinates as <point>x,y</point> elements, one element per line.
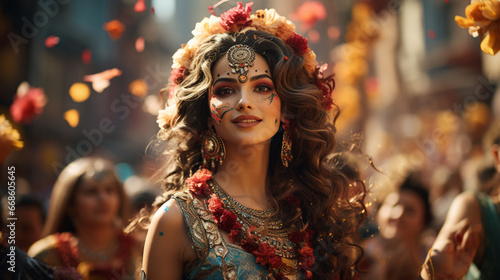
<point>240,19</point>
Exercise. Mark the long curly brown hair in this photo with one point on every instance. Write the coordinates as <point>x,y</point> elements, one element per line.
<point>311,175</point>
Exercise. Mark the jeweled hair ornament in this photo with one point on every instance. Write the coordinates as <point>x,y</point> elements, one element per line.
<point>240,57</point>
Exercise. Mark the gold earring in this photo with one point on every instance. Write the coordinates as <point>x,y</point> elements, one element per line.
<point>213,150</point>
<point>286,144</point>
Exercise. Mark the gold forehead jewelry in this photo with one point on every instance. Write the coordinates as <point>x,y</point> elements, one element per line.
<point>240,57</point>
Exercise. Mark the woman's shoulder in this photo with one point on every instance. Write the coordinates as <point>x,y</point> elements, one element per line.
<point>47,249</point>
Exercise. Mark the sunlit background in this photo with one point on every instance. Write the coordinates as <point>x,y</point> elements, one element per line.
<point>415,89</point>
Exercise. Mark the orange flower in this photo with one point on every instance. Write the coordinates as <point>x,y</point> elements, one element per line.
<point>114,28</point>
<point>483,20</point>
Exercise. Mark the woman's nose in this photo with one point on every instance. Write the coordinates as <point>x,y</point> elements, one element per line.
<point>244,102</point>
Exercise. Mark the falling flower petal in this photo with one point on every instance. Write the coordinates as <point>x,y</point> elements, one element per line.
<point>100,81</point>
<point>86,56</point>
<point>313,35</point>
<point>153,10</point>
<point>51,41</point>
<point>138,88</point>
<point>333,32</point>
<point>28,104</point>
<point>140,6</point>
<point>79,92</point>
<point>139,44</point>
<point>115,29</point>
<point>72,117</point>
<point>309,13</point>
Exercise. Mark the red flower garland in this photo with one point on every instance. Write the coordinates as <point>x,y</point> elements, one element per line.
<point>197,184</point>
<point>298,44</point>
<point>237,15</point>
<point>264,253</point>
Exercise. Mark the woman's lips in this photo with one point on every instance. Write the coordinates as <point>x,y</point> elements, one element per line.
<point>246,121</point>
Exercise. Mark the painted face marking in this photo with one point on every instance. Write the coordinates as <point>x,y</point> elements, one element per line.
<point>271,98</point>
<point>219,110</point>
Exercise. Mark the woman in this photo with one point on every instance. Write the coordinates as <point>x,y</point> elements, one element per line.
<point>399,251</point>
<point>250,192</point>
<point>250,135</point>
<point>83,230</point>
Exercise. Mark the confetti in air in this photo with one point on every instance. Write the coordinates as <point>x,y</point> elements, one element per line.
<point>100,81</point>
<point>72,117</point>
<point>140,6</point>
<point>115,29</point>
<point>79,92</point>
<point>139,45</point>
<point>51,41</point>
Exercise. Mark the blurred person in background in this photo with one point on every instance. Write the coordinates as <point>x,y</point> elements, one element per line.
<point>83,233</point>
<point>398,251</point>
<point>481,209</point>
<point>30,221</point>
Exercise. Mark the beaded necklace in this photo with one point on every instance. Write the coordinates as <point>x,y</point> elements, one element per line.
<point>274,248</point>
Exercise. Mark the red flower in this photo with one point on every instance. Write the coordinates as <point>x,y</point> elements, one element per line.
<point>264,253</point>
<point>306,252</point>
<point>249,241</point>
<point>197,184</point>
<point>307,257</point>
<point>298,44</point>
<point>215,205</point>
<point>28,104</point>
<point>235,232</point>
<point>177,75</point>
<point>297,236</point>
<point>275,262</point>
<point>226,221</point>
<point>292,199</point>
<point>237,15</point>
<point>309,13</point>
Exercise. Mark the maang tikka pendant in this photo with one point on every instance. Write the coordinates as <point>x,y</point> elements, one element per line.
<point>240,57</point>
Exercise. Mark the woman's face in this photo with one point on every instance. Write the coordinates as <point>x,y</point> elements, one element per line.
<point>244,113</point>
<point>96,202</point>
<point>401,216</point>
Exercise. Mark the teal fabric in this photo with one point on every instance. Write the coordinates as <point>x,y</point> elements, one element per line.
<point>490,268</point>
<point>209,264</point>
<point>246,268</point>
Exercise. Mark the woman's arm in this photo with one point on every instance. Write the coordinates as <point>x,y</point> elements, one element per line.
<point>165,244</point>
<point>457,241</point>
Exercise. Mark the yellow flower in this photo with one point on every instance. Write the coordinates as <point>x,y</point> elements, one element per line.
<point>9,135</point>
<point>9,138</point>
<point>483,20</point>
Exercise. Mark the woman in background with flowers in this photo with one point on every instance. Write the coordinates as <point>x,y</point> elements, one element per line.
<point>251,191</point>
<point>83,236</point>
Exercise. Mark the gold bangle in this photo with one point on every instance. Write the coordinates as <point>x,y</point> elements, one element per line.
<point>429,273</point>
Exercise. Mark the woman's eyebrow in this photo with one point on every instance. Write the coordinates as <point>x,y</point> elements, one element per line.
<point>260,77</point>
<point>225,80</point>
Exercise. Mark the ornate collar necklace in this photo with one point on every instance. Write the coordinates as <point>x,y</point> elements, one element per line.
<point>241,223</point>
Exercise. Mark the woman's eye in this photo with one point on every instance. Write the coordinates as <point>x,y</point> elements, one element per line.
<point>224,91</point>
<point>263,88</point>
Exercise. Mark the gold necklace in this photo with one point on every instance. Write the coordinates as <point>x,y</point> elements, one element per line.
<point>270,228</point>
